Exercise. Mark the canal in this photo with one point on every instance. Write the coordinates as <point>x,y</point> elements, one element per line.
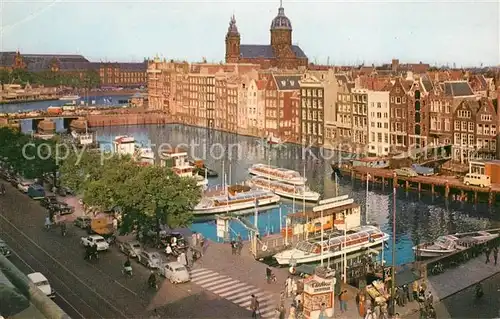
<point>43,105</point>
<point>418,218</point>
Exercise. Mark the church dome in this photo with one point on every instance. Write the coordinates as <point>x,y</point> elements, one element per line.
<point>281,21</point>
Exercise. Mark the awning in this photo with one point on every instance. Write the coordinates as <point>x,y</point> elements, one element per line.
<point>405,277</point>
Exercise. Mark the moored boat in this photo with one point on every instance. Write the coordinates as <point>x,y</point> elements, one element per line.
<point>69,98</point>
<point>176,159</point>
<point>448,244</point>
<point>334,244</point>
<point>277,174</point>
<point>286,190</point>
<point>236,198</point>
<point>202,170</point>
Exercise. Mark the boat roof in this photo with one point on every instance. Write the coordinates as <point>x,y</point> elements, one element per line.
<point>253,193</point>
<point>280,169</point>
<point>271,182</point>
<point>326,212</point>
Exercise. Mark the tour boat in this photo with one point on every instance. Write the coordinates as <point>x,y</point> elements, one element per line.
<point>202,170</point>
<point>144,155</point>
<point>177,160</point>
<point>334,244</point>
<point>69,98</point>
<point>277,174</point>
<point>284,189</point>
<point>448,244</point>
<point>236,198</point>
<point>85,139</point>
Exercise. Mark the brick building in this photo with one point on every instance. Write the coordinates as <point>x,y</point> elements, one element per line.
<point>280,53</point>
<point>312,110</point>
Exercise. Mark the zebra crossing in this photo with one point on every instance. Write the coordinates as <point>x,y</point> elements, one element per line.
<point>234,290</point>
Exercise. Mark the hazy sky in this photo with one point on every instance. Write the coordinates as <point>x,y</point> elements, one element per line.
<point>347,32</point>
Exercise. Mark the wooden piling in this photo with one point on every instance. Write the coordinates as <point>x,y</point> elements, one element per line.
<point>419,187</point>
<point>407,185</point>
<point>446,190</point>
<point>475,197</point>
<point>432,189</point>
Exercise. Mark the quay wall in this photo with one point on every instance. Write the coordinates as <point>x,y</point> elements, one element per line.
<point>121,119</point>
<point>448,186</point>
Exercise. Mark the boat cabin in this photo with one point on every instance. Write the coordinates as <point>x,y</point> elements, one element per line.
<point>175,158</point>
<point>344,214</point>
<point>124,145</point>
<point>372,162</point>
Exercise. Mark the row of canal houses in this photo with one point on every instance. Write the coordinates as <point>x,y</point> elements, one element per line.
<point>367,111</point>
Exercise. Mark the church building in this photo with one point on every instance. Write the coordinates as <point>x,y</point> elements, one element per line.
<point>279,54</point>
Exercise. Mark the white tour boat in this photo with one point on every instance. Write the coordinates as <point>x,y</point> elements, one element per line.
<point>277,174</point>
<point>177,160</point>
<point>337,244</point>
<point>69,98</point>
<point>144,155</point>
<point>236,198</point>
<point>84,139</point>
<point>284,189</point>
<point>448,244</point>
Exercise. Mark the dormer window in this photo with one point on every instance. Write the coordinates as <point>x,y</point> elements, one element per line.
<point>292,82</point>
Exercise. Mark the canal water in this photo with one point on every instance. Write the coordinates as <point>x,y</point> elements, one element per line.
<point>418,219</point>
<point>43,105</point>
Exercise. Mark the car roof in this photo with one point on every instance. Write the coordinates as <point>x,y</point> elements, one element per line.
<point>37,277</point>
<point>175,264</point>
<point>96,236</point>
<point>133,242</point>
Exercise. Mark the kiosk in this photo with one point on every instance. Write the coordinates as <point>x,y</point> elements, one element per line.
<point>318,294</point>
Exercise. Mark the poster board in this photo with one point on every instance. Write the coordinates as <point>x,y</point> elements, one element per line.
<point>222,228</point>
<point>318,291</point>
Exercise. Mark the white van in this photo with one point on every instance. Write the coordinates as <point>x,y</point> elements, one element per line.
<point>42,283</point>
<point>477,180</point>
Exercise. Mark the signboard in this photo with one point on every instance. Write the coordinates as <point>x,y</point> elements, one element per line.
<point>318,295</point>
<point>222,227</point>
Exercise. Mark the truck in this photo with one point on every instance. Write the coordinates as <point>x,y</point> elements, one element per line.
<point>103,225</point>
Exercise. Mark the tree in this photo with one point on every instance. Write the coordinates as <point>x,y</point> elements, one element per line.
<point>31,161</point>
<point>4,76</point>
<point>91,79</point>
<point>11,301</point>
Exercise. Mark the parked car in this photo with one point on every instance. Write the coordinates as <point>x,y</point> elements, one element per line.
<point>4,249</point>
<point>422,170</point>
<point>405,171</point>
<point>150,259</point>
<point>62,208</point>
<point>36,191</point>
<point>175,272</point>
<point>82,222</point>
<point>98,240</point>
<point>48,201</point>
<point>477,180</point>
<point>42,283</point>
<point>24,184</point>
<point>131,248</point>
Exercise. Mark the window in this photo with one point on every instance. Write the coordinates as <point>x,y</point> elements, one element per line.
<point>417,94</point>
<point>404,99</point>
<point>392,99</point>
<point>471,127</point>
<point>456,138</point>
<point>398,100</point>
<point>417,106</point>
<point>485,117</point>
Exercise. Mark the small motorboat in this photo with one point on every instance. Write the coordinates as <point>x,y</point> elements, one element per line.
<point>448,244</point>
<point>203,170</point>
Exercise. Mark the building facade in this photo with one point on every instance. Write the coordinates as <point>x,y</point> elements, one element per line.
<point>359,98</point>
<point>378,123</point>
<point>280,53</point>
<point>312,110</point>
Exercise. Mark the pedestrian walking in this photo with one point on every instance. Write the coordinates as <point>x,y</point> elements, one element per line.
<point>288,286</point>
<point>282,312</point>
<point>194,239</point>
<point>361,306</point>
<point>239,247</point>
<point>189,258</point>
<point>430,299</point>
<point>487,252</point>
<point>292,313</point>
<point>322,312</point>
<point>182,259</point>
<point>495,255</point>
<point>409,296</point>
<point>254,306</point>
<point>233,247</point>
<point>414,289</point>
<point>343,301</point>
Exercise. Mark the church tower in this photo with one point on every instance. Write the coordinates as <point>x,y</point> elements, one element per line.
<point>281,29</point>
<point>232,42</point>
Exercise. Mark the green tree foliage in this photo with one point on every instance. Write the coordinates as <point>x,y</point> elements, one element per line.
<point>27,156</point>
<point>146,196</point>
<point>89,80</point>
